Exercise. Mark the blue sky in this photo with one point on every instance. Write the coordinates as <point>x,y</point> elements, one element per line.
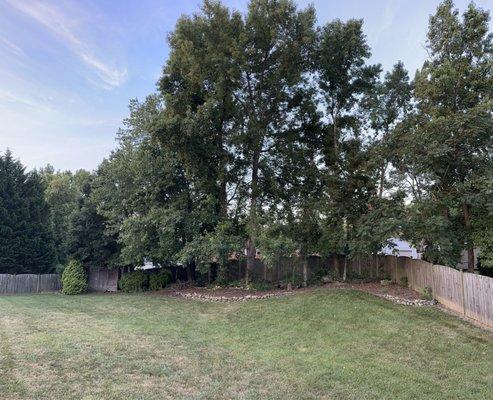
<point>68,68</point>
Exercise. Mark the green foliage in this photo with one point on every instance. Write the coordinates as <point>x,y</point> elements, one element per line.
<point>89,240</point>
<point>270,133</point>
<point>404,281</point>
<point>483,226</point>
<point>61,192</point>
<point>259,286</point>
<point>216,246</point>
<point>274,243</point>
<point>426,293</point>
<point>445,144</point>
<point>26,238</point>
<point>160,280</point>
<point>74,278</point>
<point>316,278</point>
<point>135,281</point>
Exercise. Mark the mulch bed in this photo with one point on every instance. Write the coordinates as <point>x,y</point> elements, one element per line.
<point>392,292</point>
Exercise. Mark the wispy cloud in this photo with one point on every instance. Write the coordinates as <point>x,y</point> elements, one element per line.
<point>64,27</point>
<point>387,19</point>
<point>11,47</point>
<point>9,97</point>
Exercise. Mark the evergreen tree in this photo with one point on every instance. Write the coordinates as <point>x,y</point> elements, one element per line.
<point>26,241</point>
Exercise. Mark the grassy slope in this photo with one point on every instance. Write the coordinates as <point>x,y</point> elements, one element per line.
<point>324,345</point>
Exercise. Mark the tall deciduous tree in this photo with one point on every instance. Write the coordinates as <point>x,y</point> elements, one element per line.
<point>273,53</point>
<point>142,192</point>
<point>451,134</point>
<point>388,104</point>
<point>89,241</point>
<point>198,83</point>
<point>62,190</point>
<point>344,79</point>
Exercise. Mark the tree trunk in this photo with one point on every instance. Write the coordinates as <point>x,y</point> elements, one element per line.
<point>251,251</point>
<point>344,275</point>
<point>189,272</point>
<point>305,272</point>
<point>336,267</point>
<point>470,245</point>
<point>335,136</point>
<point>223,196</point>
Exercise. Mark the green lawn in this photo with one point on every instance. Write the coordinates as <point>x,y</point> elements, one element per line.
<point>336,344</point>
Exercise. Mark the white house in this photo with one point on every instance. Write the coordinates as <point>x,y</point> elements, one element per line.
<point>401,248</point>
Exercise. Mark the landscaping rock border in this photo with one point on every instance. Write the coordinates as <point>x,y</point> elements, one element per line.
<point>414,303</point>
<point>210,298</point>
<point>244,297</point>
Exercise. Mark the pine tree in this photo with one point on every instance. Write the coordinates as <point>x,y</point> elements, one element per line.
<point>26,240</point>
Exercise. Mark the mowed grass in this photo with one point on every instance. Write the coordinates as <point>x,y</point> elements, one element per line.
<point>337,344</point>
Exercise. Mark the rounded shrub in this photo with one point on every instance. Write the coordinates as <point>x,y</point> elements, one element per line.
<point>74,278</point>
<point>159,280</point>
<point>132,282</point>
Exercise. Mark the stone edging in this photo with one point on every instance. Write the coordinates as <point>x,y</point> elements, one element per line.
<point>406,302</point>
<point>210,298</point>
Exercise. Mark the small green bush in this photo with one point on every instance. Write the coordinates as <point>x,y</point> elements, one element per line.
<point>403,281</point>
<point>135,281</point>
<point>74,278</point>
<point>426,293</point>
<point>201,279</point>
<point>159,280</point>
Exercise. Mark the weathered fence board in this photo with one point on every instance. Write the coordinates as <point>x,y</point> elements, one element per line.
<point>102,279</point>
<point>448,287</point>
<point>478,298</point>
<point>29,283</point>
<point>468,294</point>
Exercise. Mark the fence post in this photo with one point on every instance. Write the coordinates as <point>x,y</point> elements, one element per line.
<point>433,290</point>
<point>462,292</point>
<point>305,272</point>
<point>37,283</point>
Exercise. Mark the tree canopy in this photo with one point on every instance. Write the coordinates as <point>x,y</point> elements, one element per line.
<point>270,136</point>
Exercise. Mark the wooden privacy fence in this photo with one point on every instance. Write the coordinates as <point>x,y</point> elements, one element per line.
<point>102,279</point>
<point>468,294</point>
<point>29,283</point>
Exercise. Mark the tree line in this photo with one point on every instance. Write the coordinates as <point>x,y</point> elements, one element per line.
<point>269,136</point>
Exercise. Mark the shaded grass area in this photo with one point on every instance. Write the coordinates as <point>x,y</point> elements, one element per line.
<point>338,344</point>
